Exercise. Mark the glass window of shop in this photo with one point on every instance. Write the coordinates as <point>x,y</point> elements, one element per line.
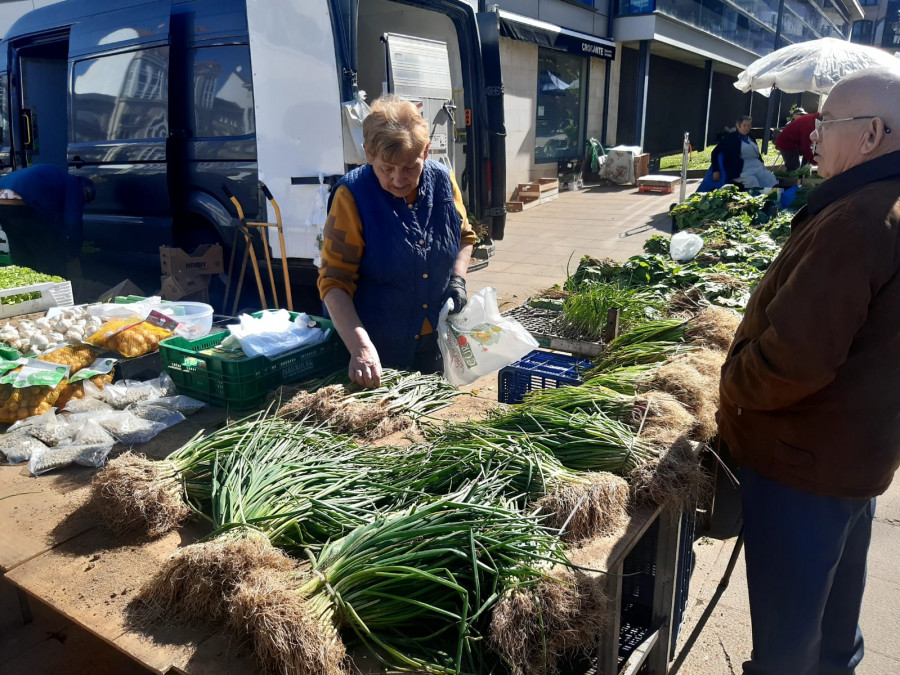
<point>862,32</point>
<point>561,89</point>
<point>891,36</point>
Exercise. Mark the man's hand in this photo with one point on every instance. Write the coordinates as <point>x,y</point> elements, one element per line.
<point>456,291</point>
<point>365,366</point>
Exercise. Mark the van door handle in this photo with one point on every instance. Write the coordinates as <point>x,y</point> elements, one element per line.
<point>77,162</point>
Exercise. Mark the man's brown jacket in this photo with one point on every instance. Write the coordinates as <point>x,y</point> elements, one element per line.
<point>810,392</point>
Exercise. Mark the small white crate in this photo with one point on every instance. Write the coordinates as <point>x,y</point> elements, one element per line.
<point>52,295</point>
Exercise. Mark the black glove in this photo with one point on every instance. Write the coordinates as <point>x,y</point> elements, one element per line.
<point>456,291</point>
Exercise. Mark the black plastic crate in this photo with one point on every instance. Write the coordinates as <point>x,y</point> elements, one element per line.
<point>539,370</point>
<point>639,584</point>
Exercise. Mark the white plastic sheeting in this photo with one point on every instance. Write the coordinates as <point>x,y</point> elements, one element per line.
<point>813,66</point>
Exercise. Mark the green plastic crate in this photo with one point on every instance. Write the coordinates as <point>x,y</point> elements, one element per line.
<point>244,382</point>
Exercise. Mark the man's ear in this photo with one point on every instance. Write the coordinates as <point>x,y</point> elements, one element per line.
<point>873,136</point>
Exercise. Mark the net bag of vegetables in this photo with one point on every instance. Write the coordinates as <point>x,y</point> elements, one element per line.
<point>31,389</point>
<point>133,336</point>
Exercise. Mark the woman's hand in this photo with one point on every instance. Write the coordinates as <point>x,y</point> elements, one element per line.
<point>365,365</point>
<point>716,175</point>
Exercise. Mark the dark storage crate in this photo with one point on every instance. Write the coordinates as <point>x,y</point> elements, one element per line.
<point>638,586</point>
<point>244,382</point>
<point>538,370</point>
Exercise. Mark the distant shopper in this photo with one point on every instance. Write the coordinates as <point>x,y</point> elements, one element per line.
<point>794,141</point>
<point>798,112</point>
<point>397,245</point>
<point>809,401</point>
<point>741,159</point>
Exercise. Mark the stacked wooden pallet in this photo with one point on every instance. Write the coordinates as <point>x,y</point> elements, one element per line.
<point>528,195</point>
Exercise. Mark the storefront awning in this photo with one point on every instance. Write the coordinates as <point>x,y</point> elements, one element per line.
<point>526,29</point>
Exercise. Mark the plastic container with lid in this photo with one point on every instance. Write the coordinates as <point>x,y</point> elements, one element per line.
<point>194,318</point>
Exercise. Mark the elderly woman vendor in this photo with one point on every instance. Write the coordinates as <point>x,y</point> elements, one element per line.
<point>397,246</point>
<point>741,158</point>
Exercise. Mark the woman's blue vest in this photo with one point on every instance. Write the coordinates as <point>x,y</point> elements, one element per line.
<point>409,254</point>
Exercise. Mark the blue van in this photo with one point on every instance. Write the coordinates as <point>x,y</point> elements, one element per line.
<point>161,103</point>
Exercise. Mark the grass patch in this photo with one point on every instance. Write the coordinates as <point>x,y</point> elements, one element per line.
<point>700,159</point>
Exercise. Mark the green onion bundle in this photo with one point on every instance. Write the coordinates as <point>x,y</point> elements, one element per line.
<point>584,312</point>
<point>415,587</point>
<point>133,493</point>
<point>660,330</point>
<point>349,408</point>
<point>591,396</point>
<point>638,354</point>
<point>581,441</point>
<point>576,504</point>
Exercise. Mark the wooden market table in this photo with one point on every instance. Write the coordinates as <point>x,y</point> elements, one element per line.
<point>54,552</point>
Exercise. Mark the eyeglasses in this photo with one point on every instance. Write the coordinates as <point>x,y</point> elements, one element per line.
<point>822,123</point>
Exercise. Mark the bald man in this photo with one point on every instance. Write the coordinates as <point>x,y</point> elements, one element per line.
<point>810,392</point>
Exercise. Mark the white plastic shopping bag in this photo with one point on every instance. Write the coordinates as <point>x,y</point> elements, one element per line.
<point>685,246</point>
<point>317,216</point>
<point>355,112</point>
<point>478,341</point>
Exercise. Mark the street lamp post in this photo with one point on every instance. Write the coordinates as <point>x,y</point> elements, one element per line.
<point>770,106</point>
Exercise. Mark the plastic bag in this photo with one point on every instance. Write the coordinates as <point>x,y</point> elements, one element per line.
<point>155,413</point>
<point>122,394</point>
<point>87,405</point>
<point>355,113</point>
<point>49,428</point>
<point>130,429</point>
<point>685,246</point>
<point>18,447</point>
<point>478,340</point>
<point>47,459</point>
<point>91,433</point>
<point>180,403</point>
<point>317,216</point>
<point>274,333</point>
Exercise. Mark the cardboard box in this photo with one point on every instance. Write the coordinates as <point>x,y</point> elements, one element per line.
<point>206,259</point>
<point>641,165</point>
<point>186,275</point>
<point>185,288</point>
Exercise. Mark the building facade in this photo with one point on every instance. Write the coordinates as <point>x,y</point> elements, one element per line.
<point>880,26</point>
<point>658,68</point>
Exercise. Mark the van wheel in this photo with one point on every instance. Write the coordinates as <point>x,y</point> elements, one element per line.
<point>190,234</point>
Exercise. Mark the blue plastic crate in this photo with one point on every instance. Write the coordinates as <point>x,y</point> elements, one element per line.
<point>539,370</point>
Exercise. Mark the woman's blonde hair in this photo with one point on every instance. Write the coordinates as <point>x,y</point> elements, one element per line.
<point>394,130</point>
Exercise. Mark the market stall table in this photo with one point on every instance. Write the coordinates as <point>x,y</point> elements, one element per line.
<point>53,551</point>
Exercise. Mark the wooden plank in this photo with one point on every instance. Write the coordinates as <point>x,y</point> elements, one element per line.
<point>548,184</point>
<point>664,589</point>
<point>40,512</point>
<point>604,553</point>
<point>639,655</point>
<point>91,580</point>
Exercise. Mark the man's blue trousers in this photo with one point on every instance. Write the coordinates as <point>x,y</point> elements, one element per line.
<point>806,572</point>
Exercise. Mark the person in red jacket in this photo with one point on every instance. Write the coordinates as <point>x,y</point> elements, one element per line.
<point>808,400</point>
<point>794,142</point>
